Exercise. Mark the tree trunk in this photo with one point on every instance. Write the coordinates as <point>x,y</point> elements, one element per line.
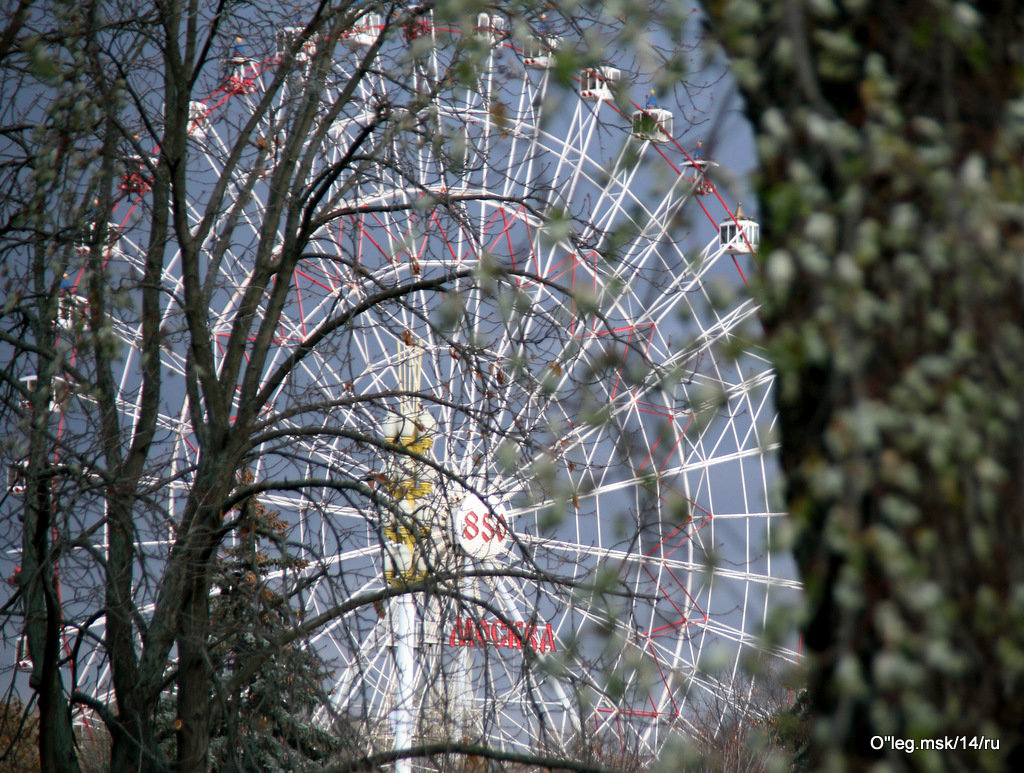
<point>192,723</point>
<point>44,615</point>
<point>193,720</point>
<point>891,194</point>
<point>44,618</point>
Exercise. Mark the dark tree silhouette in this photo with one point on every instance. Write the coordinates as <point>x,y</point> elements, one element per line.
<point>890,139</point>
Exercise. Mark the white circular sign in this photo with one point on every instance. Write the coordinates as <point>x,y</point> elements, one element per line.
<point>481,532</point>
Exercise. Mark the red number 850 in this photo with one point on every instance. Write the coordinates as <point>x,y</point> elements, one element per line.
<point>487,527</point>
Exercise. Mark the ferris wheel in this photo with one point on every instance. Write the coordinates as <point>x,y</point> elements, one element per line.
<point>560,512</point>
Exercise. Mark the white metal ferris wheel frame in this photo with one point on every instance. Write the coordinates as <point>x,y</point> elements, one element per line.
<point>674,571</point>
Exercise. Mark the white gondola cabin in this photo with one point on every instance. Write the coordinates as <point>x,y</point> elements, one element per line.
<point>16,478</point>
<point>702,186</point>
<point>23,661</point>
<point>739,235</point>
<point>652,123</point>
<point>364,32</point>
<point>197,113</point>
<point>286,37</point>
<point>491,28</point>
<point>30,382</point>
<point>242,71</point>
<point>597,84</point>
<point>420,23</point>
<point>538,50</point>
<point>136,178</point>
<point>70,308</point>
<point>59,393</point>
<point>538,53</point>
<point>84,246</point>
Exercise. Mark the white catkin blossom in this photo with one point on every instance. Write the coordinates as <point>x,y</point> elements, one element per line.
<point>893,669</point>
<point>966,15</point>
<point>849,676</point>
<point>774,122</point>
<point>847,270</point>
<point>780,270</point>
<point>821,228</point>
